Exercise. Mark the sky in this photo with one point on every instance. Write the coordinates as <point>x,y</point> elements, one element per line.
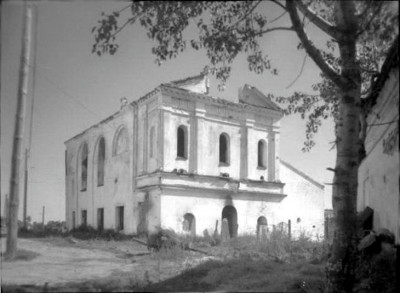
<point>75,89</point>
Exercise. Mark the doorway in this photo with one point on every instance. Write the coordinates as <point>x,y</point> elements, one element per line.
<point>229,213</point>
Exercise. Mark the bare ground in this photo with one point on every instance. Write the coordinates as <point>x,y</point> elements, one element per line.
<point>78,265</point>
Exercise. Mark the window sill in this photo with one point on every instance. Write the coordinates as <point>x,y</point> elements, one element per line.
<point>100,185</point>
<point>222,164</point>
<point>83,190</point>
<point>261,168</point>
<point>180,159</point>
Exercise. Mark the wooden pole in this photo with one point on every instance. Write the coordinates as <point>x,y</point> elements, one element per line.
<point>11,249</point>
<point>43,211</point>
<point>28,149</point>
<point>25,188</point>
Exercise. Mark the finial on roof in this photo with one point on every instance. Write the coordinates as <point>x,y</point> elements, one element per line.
<point>124,102</point>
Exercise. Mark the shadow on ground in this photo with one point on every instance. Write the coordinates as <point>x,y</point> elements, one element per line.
<point>231,275</point>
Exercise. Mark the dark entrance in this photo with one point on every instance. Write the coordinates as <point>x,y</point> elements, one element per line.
<point>189,224</point>
<point>100,219</point>
<point>262,227</point>
<point>229,213</point>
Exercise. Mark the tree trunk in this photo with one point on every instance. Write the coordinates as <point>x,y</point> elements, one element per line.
<point>341,265</point>
<point>11,249</point>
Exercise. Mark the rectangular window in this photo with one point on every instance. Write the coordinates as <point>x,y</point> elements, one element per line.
<point>119,218</point>
<point>100,219</point>
<point>84,218</point>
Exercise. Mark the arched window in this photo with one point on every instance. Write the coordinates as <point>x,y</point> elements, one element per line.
<point>152,142</point>
<point>262,154</point>
<point>120,141</point>
<point>83,166</point>
<point>224,148</point>
<point>101,155</point>
<point>181,142</point>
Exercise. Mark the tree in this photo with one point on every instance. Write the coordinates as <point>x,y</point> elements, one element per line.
<point>359,36</point>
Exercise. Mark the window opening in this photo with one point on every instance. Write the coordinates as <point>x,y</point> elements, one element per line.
<point>84,218</point>
<point>100,162</point>
<point>262,156</point>
<point>100,219</point>
<point>84,166</point>
<point>181,142</point>
<point>224,148</point>
<point>120,218</point>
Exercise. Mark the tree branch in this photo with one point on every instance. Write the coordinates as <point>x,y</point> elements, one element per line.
<point>246,14</point>
<point>260,33</point>
<point>278,17</point>
<point>301,71</point>
<point>279,4</point>
<point>324,25</point>
<point>311,50</point>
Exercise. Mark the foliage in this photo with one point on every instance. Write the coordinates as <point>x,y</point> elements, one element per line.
<point>86,232</point>
<point>377,272</point>
<point>228,29</point>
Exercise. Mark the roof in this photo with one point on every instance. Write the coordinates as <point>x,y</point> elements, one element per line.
<point>198,83</point>
<point>305,176</point>
<point>197,87</point>
<point>391,61</point>
<point>252,96</point>
<point>188,80</point>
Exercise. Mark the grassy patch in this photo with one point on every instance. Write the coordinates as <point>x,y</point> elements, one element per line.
<point>243,274</point>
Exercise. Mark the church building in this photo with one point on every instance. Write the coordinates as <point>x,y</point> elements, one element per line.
<point>178,158</point>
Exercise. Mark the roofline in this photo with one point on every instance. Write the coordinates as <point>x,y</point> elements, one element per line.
<point>262,94</point>
<point>158,89</point>
<point>95,125</point>
<point>220,100</point>
<point>305,176</point>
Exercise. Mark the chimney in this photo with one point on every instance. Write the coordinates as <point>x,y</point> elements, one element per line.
<point>124,102</point>
<point>206,73</point>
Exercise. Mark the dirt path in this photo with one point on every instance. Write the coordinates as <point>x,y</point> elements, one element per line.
<point>58,263</point>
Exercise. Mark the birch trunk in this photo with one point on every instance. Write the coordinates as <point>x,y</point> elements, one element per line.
<point>12,234</point>
<point>341,265</point>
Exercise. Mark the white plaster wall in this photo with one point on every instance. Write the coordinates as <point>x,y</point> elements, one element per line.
<point>208,141</point>
<point>304,200</point>
<point>171,123</point>
<point>117,188</point>
<point>255,172</point>
<point>207,209</point>
<point>378,174</point>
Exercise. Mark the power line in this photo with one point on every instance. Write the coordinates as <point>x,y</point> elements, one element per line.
<point>71,97</point>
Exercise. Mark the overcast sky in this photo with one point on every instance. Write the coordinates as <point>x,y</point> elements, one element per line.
<point>75,89</point>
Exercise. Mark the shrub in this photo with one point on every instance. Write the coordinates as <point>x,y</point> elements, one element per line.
<point>86,232</point>
<point>377,272</point>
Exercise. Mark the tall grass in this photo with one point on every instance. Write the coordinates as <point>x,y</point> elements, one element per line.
<point>279,246</point>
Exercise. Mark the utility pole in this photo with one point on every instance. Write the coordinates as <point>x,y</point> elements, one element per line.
<point>12,234</point>
<point>28,149</point>
<point>43,211</point>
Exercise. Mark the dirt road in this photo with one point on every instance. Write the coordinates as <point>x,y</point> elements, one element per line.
<point>58,263</point>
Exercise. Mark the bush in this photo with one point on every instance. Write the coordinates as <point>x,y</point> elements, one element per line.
<point>86,232</point>
<point>377,272</point>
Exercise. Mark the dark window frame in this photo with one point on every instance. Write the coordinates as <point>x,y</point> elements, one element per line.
<point>224,149</point>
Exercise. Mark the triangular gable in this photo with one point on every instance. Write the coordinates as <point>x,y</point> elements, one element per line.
<point>252,96</point>
<point>198,84</point>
